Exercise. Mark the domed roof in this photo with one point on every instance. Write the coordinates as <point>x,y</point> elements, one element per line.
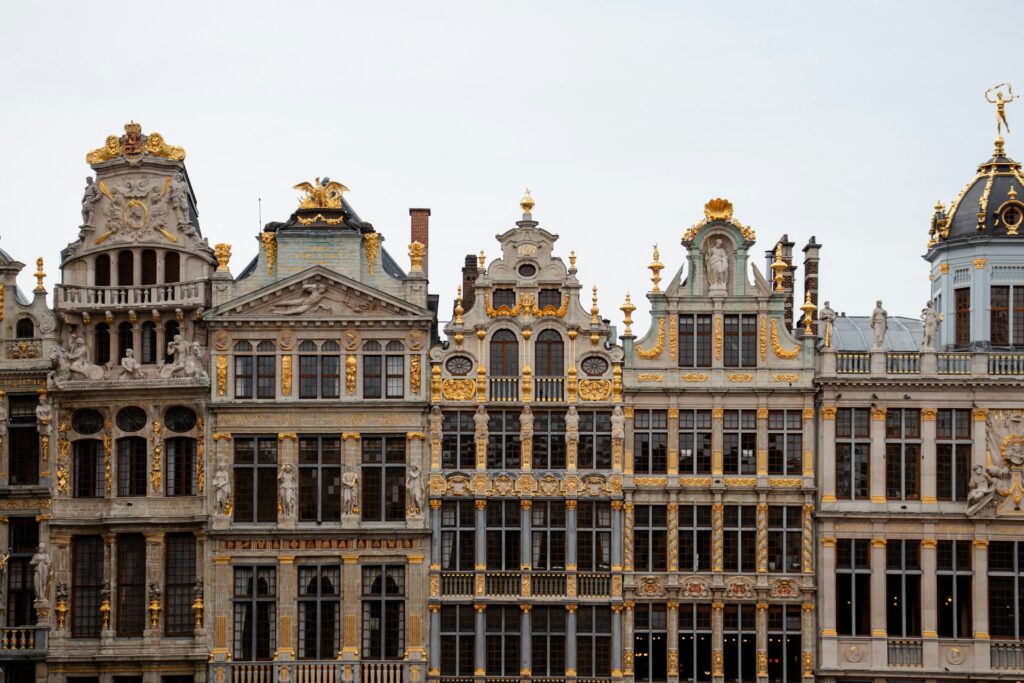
<point>989,206</point>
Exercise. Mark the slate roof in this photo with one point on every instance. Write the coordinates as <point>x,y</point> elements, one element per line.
<point>853,333</point>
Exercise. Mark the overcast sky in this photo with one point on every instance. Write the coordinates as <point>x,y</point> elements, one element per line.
<point>846,121</point>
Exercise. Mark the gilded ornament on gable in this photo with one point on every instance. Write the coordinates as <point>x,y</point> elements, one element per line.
<point>222,252</point>
<point>458,389</point>
<point>780,351</point>
<point>659,344</point>
<point>594,389</point>
<point>371,242</point>
<point>502,311</point>
<point>132,145</point>
<point>222,374</point>
<point>269,242</point>
<point>321,194</point>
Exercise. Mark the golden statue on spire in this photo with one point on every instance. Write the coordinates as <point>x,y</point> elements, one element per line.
<point>1001,103</point>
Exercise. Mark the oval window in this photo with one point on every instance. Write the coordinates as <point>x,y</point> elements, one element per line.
<point>459,365</point>
<point>594,365</point>
<point>180,418</point>
<point>527,270</point>
<point>87,421</point>
<point>1012,216</point>
<point>131,419</point>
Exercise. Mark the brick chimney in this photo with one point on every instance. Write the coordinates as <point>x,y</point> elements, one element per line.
<point>811,257</point>
<point>470,272</point>
<point>421,233</point>
<point>788,276</point>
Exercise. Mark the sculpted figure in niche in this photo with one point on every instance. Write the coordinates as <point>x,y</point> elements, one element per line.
<point>287,485</point>
<point>44,416</point>
<point>717,266</point>
<point>480,424</point>
<point>349,483</point>
<point>221,490</point>
<point>308,300</point>
<point>40,564</point>
<point>179,197</point>
<point>879,326</point>
<point>525,423</point>
<point>618,425</point>
<point>89,199</point>
<point>572,425</point>
<point>3,415</point>
<point>931,325</point>
<point>435,423</point>
<point>414,490</point>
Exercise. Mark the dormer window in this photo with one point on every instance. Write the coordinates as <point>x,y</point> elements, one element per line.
<point>24,329</point>
<point>549,297</point>
<point>1012,216</point>
<point>504,296</point>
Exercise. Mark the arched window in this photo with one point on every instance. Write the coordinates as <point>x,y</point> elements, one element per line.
<point>384,369</point>
<point>148,354</point>
<point>102,271</point>
<point>171,330</point>
<point>172,267</point>
<point>125,268</point>
<point>504,354</point>
<point>125,339</point>
<point>394,369</point>
<point>181,465</point>
<point>550,356</point>
<point>319,370</point>
<point>255,373</point>
<point>103,343</point>
<point>148,267</point>
<point>25,329</point>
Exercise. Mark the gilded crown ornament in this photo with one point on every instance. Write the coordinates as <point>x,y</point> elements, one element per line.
<point>40,275</point>
<point>133,145</point>
<point>417,250</point>
<point>222,252</point>
<point>321,194</point>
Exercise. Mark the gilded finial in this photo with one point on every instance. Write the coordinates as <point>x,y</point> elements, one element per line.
<point>527,202</point>
<point>1012,193</point>
<point>656,267</point>
<point>778,267</point>
<point>482,258</point>
<point>594,320</point>
<point>809,309</point>
<point>572,261</point>
<point>627,310</point>
<point>222,252</point>
<point>40,275</point>
<point>417,251</point>
<point>458,307</point>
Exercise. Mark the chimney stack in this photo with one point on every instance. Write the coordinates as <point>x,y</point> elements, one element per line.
<point>470,272</point>
<point>420,232</point>
<point>811,257</point>
<point>788,276</point>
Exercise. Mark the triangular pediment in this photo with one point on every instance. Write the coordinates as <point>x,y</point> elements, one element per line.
<point>317,294</point>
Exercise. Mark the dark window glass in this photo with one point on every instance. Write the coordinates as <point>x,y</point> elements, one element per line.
<point>180,583</point>
<point>694,538</point>
<point>23,539</point>
<point>785,442</point>
<point>102,333</point>
<point>458,640</point>
<point>650,643</point>
<point>458,444</point>
<point>739,642</point>
<point>549,297</point>
<point>954,578</point>
<point>87,421</point>
<point>650,538</point>
<point>319,611</point>
<point>102,270</point>
<point>548,535</point>
<point>255,490</point>
<point>953,453</point>
<point>181,466</point>
<point>739,442</point>
<point>784,537</point>
<point>504,297</point>
<point>903,588</point>
<point>503,446</point>
<point>593,536</point>
<point>125,268</point>
<point>503,534</point>
<point>131,419</point>
<point>503,640</point>
<point>594,450</point>
<point>172,267</point>
<point>784,644</point>
<point>547,641</point>
<point>458,536</point>
<point>902,454</point>
<point>504,354</point>
<point>131,466</point>
<point>383,478</point>
<point>88,464</point>
<point>255,613</point>
<point>180,419</point>
<point>131,584</point>
<point>695,643</point>
<point>1005,596</point>
<point>962,322</point>
<point>853,447</point>
<point>24,329</point>
<point>650,442</point>
<point>695,442</point>
<point>853,587</point>
<point>383,612</point>
<point>319,479</point>
<point>695,341</point>
<point>86,584</point>
<point>739,538</point>
<point>740,341</point>
<point>548,440</point>
<point>148,267</point>
<point>550,354</point>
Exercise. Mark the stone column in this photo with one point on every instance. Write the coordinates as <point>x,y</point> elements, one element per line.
<point>672,646</point>
<point>5,466</point>
<point>525,650</point>
<point>480,641</point>
<point>980,441</point>
<point>416,592</point>
<point>928,463</point>
<point>61,558</point>
<point>627,538</point>
<point>435,533</point>
<point>762,640</point>
<point>288,455</point>
<point>201,578</point>
<point>879,634</point>
<point>627,459</point>
<point>350,461</point>
<point>526,547</point>
<point>480,549</point>
<point>109,600</point>
<point>827,446</point>
<point>617,532</point>
<point>877,457</point>
<point>979,600</point>
<point>762,441</point>
<point>435,640</point>
<point>219,605</point>
<point>570,539</point>
<point>350,582</point>
<point>673,441</point>
<point>929,593</point>
<point>154,578</point>
<point>287,586</point>
<point>762,538</point>
<point>808,443</point>
<point>717,652</point>
<point>672,512</point>
<point>807,630</point>
<point>570,640</point>
<point>617,642</point>
<point>717,535</point>
<point>627,637</point>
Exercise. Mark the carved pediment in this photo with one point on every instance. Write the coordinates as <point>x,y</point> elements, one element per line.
<point>317,293</point>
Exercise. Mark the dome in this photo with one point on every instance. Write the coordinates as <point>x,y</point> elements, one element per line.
<point>989,206</point>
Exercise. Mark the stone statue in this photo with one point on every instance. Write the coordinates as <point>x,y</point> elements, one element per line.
<point>73,362</point>
<point>618,425</point>
<point>288,487</point>
<point>129,366</point>
<point>349,484</point>
<point>195,362</point>
<point>154,591</point>
<point>931,325</point>
<point>435,423</point>
<point>308,300</point>
<point>89,199</point>
<point>879,325</point>
<point>179,198</point>
<point>179,350</point>
<point>572,425</point>
<point>526,423</point>
<point>480,420</point>
<point>718,266</point>
<point>44,416</point>
<point>40,564</point>
<point>221,490</point>
<point>105,591</point>
<point>414,489</point>
<point>827,316</point>
<point>3,417</point>
<point>983,487</point>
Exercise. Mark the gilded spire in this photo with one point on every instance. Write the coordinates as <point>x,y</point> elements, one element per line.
<point>527,203</point>
<point>572,261</point>
<point>482,258</point>
<point>778,267</point>
<point>809,309</point>
<point>594,320</point>
<point>458,307</point>
<point>656,267</point>
<point>40,275</point>
<point>627,310</point>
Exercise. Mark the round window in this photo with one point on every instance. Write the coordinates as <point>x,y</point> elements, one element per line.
<point>180,418</point>
<point>131,419</point>
<point>527,270</point>
<point>87,421</point>
<point>594,365</point>
<point>459,365</point>
<point>1012,216</point>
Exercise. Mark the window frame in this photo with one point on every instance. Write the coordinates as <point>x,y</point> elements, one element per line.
<point>903,453</point>
<point>650,442</point>
<point>857,443</point>
<point>389,471</point>
<point>384,599</point>
<point>317,477</point>
<point>650,538</point>
<point>260,604</point>
<point>263,479</point>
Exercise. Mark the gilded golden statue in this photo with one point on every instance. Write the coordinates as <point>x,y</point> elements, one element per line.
<point>1001,103</point>
<point>321,194</point>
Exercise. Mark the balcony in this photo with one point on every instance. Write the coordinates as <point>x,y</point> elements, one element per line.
<point>1007,656</point>
<point>548,584</point>
<point>906,653</point>
<point>541,584</point>
<point>171,295</point>
<point>504,389</point>
<point>956,363</point>
<point>903,363</point>
<point>853,363</point>
<point>315,672</point>
<point>549,389</point>
<point>23,642</point>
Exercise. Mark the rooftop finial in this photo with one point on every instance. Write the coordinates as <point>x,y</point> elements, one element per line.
<point>656,266</point>
<point>627,309</point>
<point>39,275</point>
<point>527,202</point>
<point>1001,103</point>
<point>594,311</point>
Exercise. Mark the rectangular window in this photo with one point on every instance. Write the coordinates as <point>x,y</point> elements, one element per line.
<point>1005,592</point>
<point>595,447</point>
<point>255,498</point>
<point>784,643</point>
<point>266,371</point>
<point>740,347</point>
<point>954,578</point>
<point>650,442</point>
<point>309,377</point>
<point>739,641</point>
<point>244,381</point>
<point>547,639</point>
<point>784,536</point>
<point>23,539</point>
<point>903,588</point>
<point>853,446</point>
<point>785,442</point>
<point>330,376</point>
<point>739,538</point>
<point>131,466</point>
<point>548,440</point>
<point>650,538</point>
<point>695,341</point>
<point>181,466</point>
<point>902,454</point>
<point>86,584</point>
<point>695,442</point>
<point>319,479</point>
<point>594,641</point>
<point>89,482</point>
<point>179,583</point>
<point>255,612</point>
<point>953,453</point>
<point>458,536</point>
<point>504,534</point>
<point>694,538</point>
<point>650,643</point>
<point>548,534</point>
<point>458,640</point>
<point>695,643</point>
<point>504,297</point>
<point>319,604</point>
<point>372,380</point>
<point>593,536</point>
<point>503,639</point>
<point>962,322</point>
<point>256,373</point>
<point>383,612</point>
<point>503,447</point>
<point>131,584</point>
<point>739,442</point>
<point>549,297</point>
<point>23,440</point>
<point>383,477</point>
<point>999,316</point>
<point>853,587</point>
<point>395,379</point>
<point>458,443</point>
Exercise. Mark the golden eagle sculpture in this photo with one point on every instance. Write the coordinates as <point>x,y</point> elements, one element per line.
<point>321,194</point>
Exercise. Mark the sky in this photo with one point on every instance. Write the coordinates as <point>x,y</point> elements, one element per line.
<point>845,121</point>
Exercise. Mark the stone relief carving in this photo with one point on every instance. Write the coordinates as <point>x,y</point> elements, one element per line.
<point>130,367</point>
<point>651,587</point>
<point>618,421</point>
<point>221,491</point>
<point>435,423</point>
<point>879,325</point>
<point>480,420</point>
<point>188,360</point>
<point>179,198</point>
<point>73,363</point>
<point>695,587</point>
<point>999,486</point>
<point>307,301</point>
<point>572,425</point>
<point>525,423</point>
